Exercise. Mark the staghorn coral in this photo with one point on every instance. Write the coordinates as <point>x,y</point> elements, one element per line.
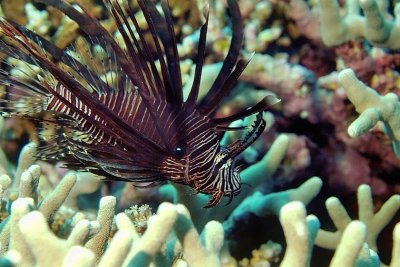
<point>86,242</point>
<point>373,108</point>
<point>377,24</point>
<point>28,189</point>
<point>17,231</point>
<point>301,231</point>
<point>94,235</point>
<point>262,205</point>
<point>306,19</point>
<point>374,222</point>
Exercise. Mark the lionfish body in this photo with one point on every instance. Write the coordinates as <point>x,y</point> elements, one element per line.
<point>134,125</point>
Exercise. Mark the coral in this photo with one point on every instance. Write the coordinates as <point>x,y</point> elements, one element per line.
<point>267,253</point>
<point>30,228</point>
<point>263,71</point>
<point>357,58</point>
<point>25,160</point>
<point>105,215</point>
<point>306,19</point>
<point>372,108</point>
<point>66,32</point>
<point>89,242</point>
<point>301,231</point>
<point>139,215</point>
<point>87,183</point>
<point>37,20</point>
<point>14,10</point>
<point>209,74</point>
<point>374,222</point>
<point>258,38</point>
<point>28,189</point>
<point>293,83</point>
<point>262,205</point>
<point>376,25</point>
<point>95,235</point>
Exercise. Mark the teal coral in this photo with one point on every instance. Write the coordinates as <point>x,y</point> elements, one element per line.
<point>127,248</point>
<point>262,205</point>
<point>172,238</point>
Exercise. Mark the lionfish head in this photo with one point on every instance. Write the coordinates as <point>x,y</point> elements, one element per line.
<point>200,160</point>
<point>226,175</point>
<point>218,177</point>
<point>227,178</point>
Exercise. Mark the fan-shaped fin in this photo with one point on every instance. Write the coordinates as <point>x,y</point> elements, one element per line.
<point>239,146</point>
<point>226,87</point>
<point>163,28</point>
<point>260,106</point>
<point>60,55</point>
<point>115,126</point>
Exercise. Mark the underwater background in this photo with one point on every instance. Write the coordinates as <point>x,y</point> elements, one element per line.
<point>329,151</point>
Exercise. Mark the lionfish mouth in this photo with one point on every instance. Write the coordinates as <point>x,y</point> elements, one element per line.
<point>124,113</point>
<point>217,196</point>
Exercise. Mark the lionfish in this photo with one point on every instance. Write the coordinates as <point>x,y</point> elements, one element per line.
<point>135,125</point>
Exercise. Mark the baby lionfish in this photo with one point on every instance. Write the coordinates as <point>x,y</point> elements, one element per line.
<point>133,123</point>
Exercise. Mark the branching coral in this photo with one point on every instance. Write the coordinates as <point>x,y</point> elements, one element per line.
<point>306,19</point>
<point>376,25</point>
<point>28,189</point>
<point>94,235</point>
<point>30,229</point>
<point>301,230</point>
<point>262,205</point>
<point>372,108</point>
<point>171,238</point>
<point>373,222</point>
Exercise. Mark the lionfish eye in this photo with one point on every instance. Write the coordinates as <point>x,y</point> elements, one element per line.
<point>179,152</point>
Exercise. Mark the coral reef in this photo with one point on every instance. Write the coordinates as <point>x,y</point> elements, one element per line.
<point>90,242</point>
<point>335,66</point>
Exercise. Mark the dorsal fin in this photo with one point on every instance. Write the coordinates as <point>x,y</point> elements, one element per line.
<point>259,107</point>
<point>60,55</point>
<point>115,127</point>
<point>163,28</point>
<point>194,91</point>
<point>218,90</point>
<point>93,28</point>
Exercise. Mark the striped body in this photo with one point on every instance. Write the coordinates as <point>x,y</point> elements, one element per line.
<point>134,124</point>
<point>203,166</point>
